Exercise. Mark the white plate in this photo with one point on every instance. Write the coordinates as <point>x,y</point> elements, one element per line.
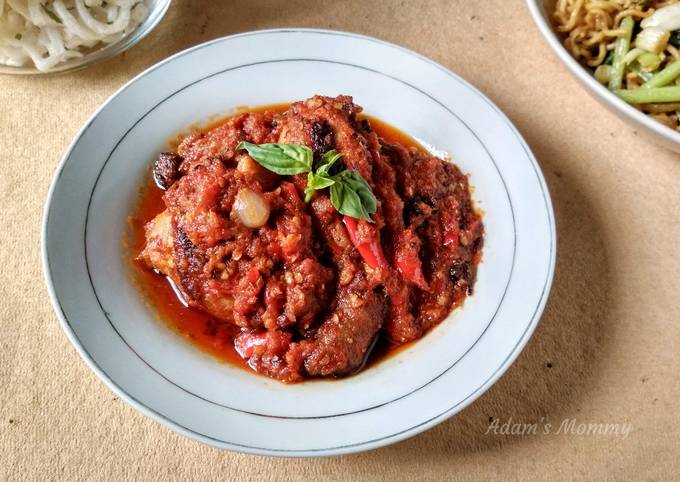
<point>166,378</point>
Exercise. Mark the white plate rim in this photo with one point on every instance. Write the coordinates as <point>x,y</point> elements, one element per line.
<point>315,452</point>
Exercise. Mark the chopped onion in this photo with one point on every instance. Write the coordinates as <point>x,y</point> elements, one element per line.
<point>247,165</point>
<point>632,55</point>
<point>666,18</point>
<point>652,39</point>
<point>603,73</point>
<point>251,208</point>
<point>649,61</point>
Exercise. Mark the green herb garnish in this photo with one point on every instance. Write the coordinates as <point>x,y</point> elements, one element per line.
<point>350,193</point>
<point>50,13</point>
<point>18,36</point>
<point>283,159</point>
<point>321,178</point>
<point>674,39</point>
<point>609,59</point>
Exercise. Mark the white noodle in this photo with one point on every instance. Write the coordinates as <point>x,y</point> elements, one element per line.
<point>138,14</point>
<point>19,6</point>
<point>38,15</point>
<point>110,14</point>
<point>72,23</point>
<point>122,3</point>
<point>53,41</point>
<point>49,32</point>
<point>100,27</point>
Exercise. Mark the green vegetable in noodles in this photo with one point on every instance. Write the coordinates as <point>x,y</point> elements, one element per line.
<point>665,77</point>
<point>674,40</point>
<point>665,18</point>
<point>640,71</point>
<point>620,51</point>
<point>649,61</point>
<point>650,95</point>
<point>609,59</point>
<point>632,55</point>
<point>603,73</point>
<point>652,39</point>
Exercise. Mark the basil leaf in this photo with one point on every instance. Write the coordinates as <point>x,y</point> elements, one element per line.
<point>316,182</point>
<point>319,181</point>
<point>354,181</point>
<point>348,202</point>
<point>351,195</point>
<point>283,159</point>
<point>327,161</point>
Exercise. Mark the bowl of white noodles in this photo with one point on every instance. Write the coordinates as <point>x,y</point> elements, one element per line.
<point>47,36</point>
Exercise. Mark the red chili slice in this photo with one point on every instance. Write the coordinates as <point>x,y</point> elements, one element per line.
<point>372,251</point>
<point>411,269</point>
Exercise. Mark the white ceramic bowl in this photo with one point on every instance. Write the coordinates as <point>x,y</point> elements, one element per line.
<point>157,9</point>
<point>148,365</point>
<point>540,11</point>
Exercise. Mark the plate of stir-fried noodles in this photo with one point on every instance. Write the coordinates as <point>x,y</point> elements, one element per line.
<point>626,51</point>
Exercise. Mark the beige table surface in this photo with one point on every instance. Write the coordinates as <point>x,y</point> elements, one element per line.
<point>606,351</point>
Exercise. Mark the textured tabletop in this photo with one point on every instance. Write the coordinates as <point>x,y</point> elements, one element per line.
<point>607,350</point>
